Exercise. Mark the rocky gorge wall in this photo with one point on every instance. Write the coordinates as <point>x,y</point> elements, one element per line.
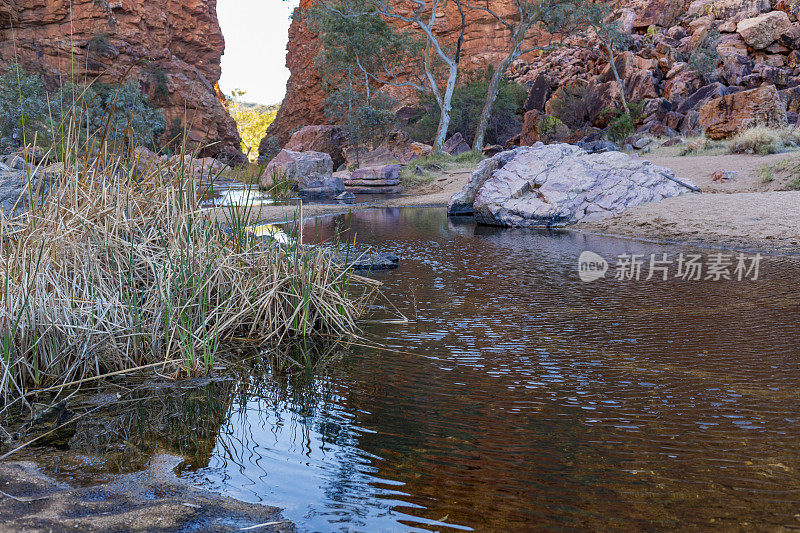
<point>758,48</point>
<point>484,44</point>
<point>172,47</point>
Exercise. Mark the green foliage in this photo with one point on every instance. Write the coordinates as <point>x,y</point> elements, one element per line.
<point>364,120</point>
<point>24,108</point>
<point>282,185</point>
<point>469,98</point>
<point>252,121</point>
<point>621,127</point>
<point>355,49</point>
<point>571,104</point>
<point>121,113</point>
<point>705,58</point>
<point>160,81</point>
<point>551,129</point>
<point>623,124</point>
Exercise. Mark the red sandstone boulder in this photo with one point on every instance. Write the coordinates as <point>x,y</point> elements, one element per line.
<point>763,30</point>
<point>725,116</point>
<point>312,171</point>
<point>662,13</point>
<point>530,129</point>
<point>736,10</point>
<point>456,145</point>
<point>327,138</point>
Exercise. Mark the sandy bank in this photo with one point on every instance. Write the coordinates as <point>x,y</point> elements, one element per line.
<point>745,213</point>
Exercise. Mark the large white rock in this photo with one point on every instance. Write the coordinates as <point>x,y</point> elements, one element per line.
<point>559,184</point>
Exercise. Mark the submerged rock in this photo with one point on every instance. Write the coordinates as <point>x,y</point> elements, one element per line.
<point>374,261</point>
<point>547,185</point>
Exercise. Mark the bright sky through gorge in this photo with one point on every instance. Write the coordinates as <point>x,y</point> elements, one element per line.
<point>255,32</point>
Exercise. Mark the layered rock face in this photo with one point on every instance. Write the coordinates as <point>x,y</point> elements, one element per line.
<point>173,48</point>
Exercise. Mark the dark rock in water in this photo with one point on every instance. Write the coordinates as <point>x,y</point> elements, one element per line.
<point>598,147</point>
<point>372,261</point>
<point>346,197</point>
<point>386,261</point>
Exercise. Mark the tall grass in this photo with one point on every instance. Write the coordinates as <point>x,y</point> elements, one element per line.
<point>118,267</point>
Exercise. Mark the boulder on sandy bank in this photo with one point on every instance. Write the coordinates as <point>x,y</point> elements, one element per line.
<point>726,116</point>
<point>374,180</point>
<point>326,138</point>
<point>312,171</point>
<point>558,184</point>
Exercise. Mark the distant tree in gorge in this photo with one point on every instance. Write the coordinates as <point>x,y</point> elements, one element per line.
<point>545,22</point>
<point>357,48</point>
<point>423,72</point>
<point>252,121</point>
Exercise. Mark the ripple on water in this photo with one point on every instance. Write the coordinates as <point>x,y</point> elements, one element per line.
<point>519,398</point>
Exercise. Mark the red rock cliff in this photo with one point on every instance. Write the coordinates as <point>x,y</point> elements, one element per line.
<point>758,45</point>
<point>485,43</point>
<point>172,47</point>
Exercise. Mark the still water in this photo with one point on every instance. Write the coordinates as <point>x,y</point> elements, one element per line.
<point>519,398</point>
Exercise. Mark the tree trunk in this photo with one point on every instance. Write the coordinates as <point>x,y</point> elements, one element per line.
<point>494,89</point>
<point>613,64</point>
<point>447,107</point>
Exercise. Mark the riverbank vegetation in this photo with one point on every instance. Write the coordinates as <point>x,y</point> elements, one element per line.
<point>113,266</point>
<point>424,170</point>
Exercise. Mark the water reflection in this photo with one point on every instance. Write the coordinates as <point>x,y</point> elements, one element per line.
<point>517,398</point>
<point>236,195</point>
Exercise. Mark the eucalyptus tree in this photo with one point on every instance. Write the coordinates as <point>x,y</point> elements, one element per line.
<point>597,16</point>
<point>357,49</point>
<point>542,23</point>
<point>420,16</point>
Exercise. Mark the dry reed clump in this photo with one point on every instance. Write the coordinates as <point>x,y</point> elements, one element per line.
<point>119,268</point>
<point>762,140</point>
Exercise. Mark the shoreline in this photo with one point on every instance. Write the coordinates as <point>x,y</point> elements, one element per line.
<point>741,215</point>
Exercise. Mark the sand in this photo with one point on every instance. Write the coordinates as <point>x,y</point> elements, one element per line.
<point>744,214</point>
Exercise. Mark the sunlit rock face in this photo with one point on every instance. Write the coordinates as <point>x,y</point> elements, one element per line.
<point>171,47</point>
